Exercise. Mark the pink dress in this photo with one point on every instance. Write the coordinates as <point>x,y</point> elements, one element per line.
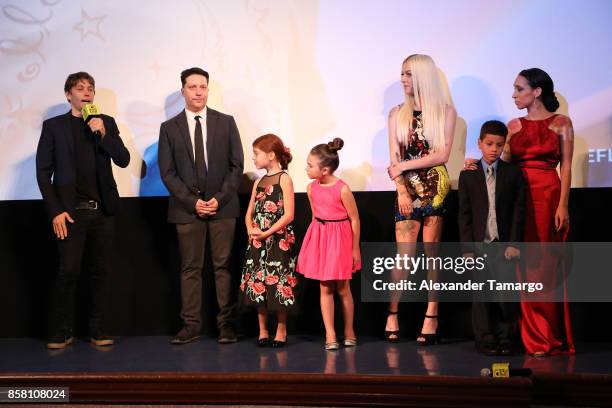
<point>327,249</point>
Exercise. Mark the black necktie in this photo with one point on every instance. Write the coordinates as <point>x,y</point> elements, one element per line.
<point>200,160</point>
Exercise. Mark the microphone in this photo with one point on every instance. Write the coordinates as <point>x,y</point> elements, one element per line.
<point>90,111</point>
<point>503,370</point>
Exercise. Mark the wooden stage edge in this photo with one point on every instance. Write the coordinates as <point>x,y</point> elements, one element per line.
<point>322,389</point>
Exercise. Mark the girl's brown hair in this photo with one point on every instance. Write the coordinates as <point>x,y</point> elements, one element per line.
<point>327,153</point>
<point>272,143</point>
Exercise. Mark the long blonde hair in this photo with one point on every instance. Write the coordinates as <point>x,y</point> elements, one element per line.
<point>434,98</point>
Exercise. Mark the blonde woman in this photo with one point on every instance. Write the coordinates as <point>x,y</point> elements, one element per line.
<point>420,139</point>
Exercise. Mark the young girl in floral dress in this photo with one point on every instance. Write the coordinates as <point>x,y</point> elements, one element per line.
<point>268,277</point>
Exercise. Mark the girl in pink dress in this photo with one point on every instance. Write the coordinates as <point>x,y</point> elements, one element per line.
<point>330,250</point>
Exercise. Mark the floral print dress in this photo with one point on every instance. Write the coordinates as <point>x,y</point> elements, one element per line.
<point>268,277</point>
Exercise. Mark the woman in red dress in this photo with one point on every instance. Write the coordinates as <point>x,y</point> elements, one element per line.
<point>539,142</point>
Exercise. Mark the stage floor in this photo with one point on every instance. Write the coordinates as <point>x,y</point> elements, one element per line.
<point>303,354</point>
<point>147,370</point>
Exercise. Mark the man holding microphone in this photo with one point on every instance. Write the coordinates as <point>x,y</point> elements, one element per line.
<point>74,174</point>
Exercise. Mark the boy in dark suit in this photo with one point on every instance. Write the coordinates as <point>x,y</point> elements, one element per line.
<point>491,209</point>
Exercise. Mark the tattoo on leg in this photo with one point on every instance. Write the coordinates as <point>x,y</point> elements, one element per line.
<point>432,221</point>
<point>406,229</point>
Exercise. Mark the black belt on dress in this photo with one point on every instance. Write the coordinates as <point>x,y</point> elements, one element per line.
<point>322,221</point>
<point>87,205</point>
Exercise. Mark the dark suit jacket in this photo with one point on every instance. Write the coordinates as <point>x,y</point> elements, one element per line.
<point>509,203</point>
<point>224,166</point>
<point>56,171</point>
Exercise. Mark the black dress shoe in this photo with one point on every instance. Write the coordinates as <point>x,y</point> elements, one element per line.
<point>227,335</point>
<point>185,335</point>
<point>488,349</point>
<point>265,342</point>
<point>279,343</point>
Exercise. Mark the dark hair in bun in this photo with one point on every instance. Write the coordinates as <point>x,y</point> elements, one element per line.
<point>327,153</point>
<point>538,78</point>
<point>272,143</point>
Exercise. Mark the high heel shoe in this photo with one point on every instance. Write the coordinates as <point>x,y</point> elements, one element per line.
<point>263,342</point>
<point>279,343</point>
<point>389,333</point>
<point>429,339</point>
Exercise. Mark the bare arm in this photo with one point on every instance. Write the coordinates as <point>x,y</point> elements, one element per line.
<point>514,126</point>
<point>394,150</point>
<point>562,125</point>
<point>308,189</point>
<point>440,156</point>
<point>404,201</point>
<point>351,208</point>
<point>248,218</point>
<point>566,133</point>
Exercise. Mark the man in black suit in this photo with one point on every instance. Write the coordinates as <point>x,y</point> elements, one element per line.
<point>491,209</point>
<point>74,174</point>
<point>201,163</point>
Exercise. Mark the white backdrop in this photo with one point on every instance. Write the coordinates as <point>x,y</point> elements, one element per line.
<point>305,70</point>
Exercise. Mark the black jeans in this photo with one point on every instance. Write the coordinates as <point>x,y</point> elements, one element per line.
<point>91,234</point>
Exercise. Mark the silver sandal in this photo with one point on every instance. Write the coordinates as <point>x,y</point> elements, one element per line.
<point>350,342</point>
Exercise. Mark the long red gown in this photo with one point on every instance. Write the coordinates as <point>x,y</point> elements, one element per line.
<point>545,326</point>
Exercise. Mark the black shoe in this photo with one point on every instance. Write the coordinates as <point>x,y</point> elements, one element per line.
<point>279,343</point>
<point>59,341</point>
<point>389,333</point>
<point>227,335</point>
<point>185,335</point>
<point>488,349</point>
<point>264,342</point>
<point>98,338</point>
<point>429,339</point>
